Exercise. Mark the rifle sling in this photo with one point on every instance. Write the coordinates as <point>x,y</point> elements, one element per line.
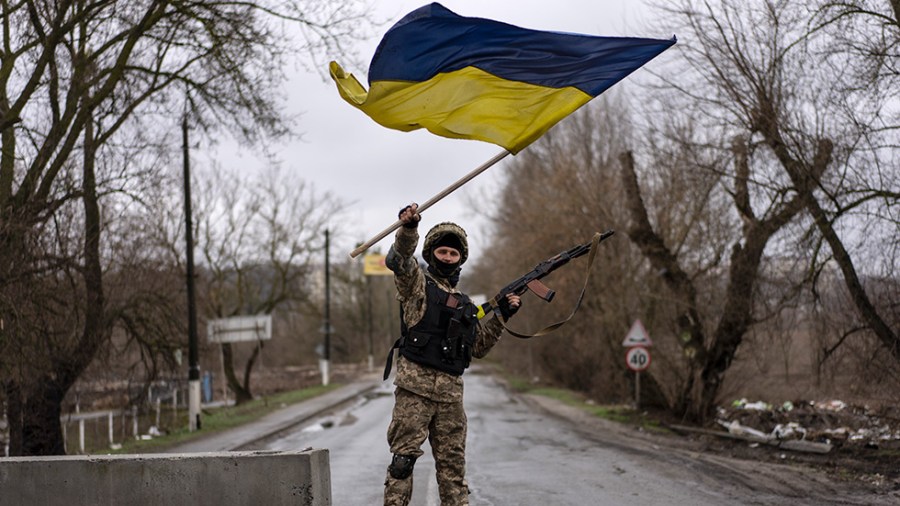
<point>550,328</point>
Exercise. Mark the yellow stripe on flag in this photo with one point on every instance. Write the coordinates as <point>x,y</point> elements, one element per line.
<point>464,104</point>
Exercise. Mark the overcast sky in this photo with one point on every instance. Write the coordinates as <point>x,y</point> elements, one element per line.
<point>375,170</point>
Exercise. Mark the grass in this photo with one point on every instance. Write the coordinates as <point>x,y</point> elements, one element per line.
<point>218,419</point>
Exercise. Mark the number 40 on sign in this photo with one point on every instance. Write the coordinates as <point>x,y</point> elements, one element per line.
<point>637,358</point>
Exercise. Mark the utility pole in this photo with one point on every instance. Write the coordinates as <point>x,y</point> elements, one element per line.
<point>369,311</point>
<point>326,327</point>
<point>193,362</point>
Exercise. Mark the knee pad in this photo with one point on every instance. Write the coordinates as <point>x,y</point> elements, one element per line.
<point>401,466</point>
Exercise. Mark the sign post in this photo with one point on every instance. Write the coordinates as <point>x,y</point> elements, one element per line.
<point>325,361</point>
<point>637,358</point>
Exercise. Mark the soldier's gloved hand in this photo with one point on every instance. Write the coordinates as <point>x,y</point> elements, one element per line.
<point>509,305</point>
<point>409,216</point>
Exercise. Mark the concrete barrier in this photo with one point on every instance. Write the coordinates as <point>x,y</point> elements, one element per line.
<point>269,478</point>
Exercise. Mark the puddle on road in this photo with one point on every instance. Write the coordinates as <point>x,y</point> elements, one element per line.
<point>382,391</point>
<point>346,417</point>
<point>341,420</point>
<point>317,427</point>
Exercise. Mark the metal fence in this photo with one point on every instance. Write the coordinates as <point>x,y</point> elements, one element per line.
<point>163,409</point>
<point>100,431</point>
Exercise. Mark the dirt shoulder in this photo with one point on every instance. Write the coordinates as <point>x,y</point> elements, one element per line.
<point>848,474</point>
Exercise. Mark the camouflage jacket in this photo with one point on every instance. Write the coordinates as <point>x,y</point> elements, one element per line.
<point>410,279</point>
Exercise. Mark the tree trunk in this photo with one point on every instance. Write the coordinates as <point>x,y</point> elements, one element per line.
<point>42,408</point>
<point>805,179</point>
<point>241,394</point>
<point>867,311</point>
<point>248,368</point>
<point>41,430</point>
<point>734,323</point>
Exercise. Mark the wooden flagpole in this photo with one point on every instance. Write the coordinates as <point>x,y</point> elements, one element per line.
<point>433,200</point>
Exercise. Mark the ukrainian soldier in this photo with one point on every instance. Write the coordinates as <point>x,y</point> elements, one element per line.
<point>440,333</point>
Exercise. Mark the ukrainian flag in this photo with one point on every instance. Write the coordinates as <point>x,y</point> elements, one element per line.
<point>474,78</point>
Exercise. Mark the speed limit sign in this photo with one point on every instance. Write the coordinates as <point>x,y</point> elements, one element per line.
<point>638,358</point>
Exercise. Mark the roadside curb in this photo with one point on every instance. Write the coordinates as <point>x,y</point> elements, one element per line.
<point>278,421</point>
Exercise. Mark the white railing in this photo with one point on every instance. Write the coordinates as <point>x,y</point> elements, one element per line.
<point>95,421</point>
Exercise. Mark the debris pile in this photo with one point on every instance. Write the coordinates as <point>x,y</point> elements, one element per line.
<point>831,422</point>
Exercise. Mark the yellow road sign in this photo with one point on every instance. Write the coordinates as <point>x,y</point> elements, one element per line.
<point>373,265</point>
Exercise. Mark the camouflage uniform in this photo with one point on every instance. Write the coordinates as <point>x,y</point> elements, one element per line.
<point>429,403</point>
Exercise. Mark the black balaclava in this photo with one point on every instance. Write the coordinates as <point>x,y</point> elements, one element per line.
<point>445,234</point>
<point>442,269</point>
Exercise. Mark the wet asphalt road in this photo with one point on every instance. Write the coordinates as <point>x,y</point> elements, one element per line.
<point>517,455</point>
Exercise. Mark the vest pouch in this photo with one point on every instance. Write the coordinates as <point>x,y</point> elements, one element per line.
<point>416,342</point>
<point>452,344</point>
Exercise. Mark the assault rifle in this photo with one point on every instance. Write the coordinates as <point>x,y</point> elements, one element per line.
<point>531,281</point>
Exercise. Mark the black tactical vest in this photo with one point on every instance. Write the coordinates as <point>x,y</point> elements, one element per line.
<point>444,337</point>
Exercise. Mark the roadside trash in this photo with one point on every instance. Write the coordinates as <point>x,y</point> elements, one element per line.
<point>831,422</point>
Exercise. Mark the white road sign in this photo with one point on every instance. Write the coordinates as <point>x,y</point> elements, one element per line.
<point>638,358</point>
<point>637,336</point>
<point>240,328</point>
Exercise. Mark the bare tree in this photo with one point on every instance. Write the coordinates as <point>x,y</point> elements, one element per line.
<point>864,38</point>
<point>259,238</point>
<point>756,76</point>
<point>710,341</point>
<point>852,124</point>
<point>77,76</point>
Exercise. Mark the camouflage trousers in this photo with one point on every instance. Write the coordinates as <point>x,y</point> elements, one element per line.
<point>444,424</point>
